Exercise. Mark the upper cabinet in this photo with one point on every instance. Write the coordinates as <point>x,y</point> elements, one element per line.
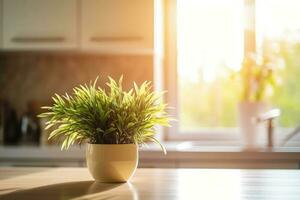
<point>39,24</point>
<point>105,26</point>
<point>117,26</point>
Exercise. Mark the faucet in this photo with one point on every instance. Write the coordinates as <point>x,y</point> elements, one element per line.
<point>269,117</point>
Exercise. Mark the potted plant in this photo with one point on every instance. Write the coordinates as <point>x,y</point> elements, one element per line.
<point>258,78</point>
<point>113,123</point>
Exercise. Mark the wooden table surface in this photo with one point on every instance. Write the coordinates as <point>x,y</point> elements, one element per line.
<point>165,184</point>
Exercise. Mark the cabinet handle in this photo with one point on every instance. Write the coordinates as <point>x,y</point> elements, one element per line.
<point>37,39</point>
<point>115,39</point>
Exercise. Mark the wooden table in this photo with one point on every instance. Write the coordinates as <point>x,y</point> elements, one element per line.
<point>165,184</point>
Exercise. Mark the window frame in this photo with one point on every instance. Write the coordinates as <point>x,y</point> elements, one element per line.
<point>171,79</point>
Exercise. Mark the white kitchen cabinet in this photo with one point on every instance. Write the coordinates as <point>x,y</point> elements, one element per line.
<point>117,26</point>
<point>40,24</point>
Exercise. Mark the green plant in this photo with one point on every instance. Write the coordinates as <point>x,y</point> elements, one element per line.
<point>259,76</point>
<point>114,117</point>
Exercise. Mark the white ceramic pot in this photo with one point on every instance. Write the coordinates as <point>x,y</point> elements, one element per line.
<point>112,162</point>
<point>251,131</point>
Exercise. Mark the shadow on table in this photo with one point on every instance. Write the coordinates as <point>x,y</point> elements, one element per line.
<point>7,173</point>
<point>77,190</point>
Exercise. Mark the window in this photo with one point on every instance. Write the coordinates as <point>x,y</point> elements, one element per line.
<point>210,41</point>
<point>278,32</point>
<point>209,38</point>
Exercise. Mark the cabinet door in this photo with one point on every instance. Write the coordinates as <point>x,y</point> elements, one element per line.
<point>39,24</point>
<point>117,26</point>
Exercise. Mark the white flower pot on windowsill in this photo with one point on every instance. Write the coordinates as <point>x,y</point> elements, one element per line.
<point>251,131</point>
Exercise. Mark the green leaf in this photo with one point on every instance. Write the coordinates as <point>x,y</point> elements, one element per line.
<point>157,142</point>
<point>117,116</point>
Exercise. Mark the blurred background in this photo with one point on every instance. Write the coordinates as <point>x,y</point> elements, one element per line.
<point>210,55</point>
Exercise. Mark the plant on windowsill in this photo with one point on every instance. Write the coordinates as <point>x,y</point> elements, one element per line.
<point>112,123</point>
<point>258,77</point>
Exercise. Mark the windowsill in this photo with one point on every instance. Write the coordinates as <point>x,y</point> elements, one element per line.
<point>212,151</point>
<point>179,155</point>
<point>231,137</point>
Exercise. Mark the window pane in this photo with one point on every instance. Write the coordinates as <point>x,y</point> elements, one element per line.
<point>278,33</point>
<point>210,44</point>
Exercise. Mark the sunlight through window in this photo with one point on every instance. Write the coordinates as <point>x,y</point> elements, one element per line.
<point>210,44</point>
<point>210,47</point>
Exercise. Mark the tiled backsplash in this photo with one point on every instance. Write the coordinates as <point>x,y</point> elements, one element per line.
<point>26,77</point>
